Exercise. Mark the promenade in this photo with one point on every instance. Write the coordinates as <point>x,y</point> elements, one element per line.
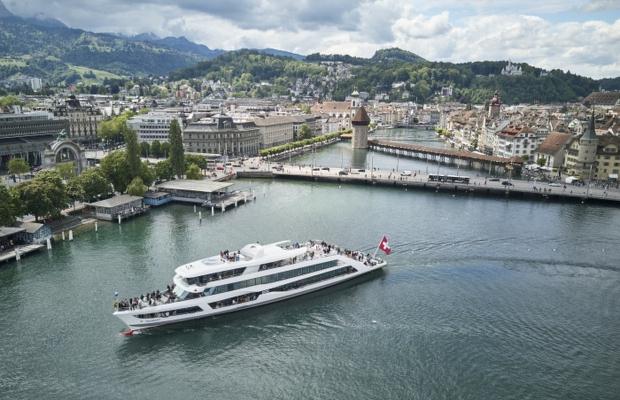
<point>417,180</point>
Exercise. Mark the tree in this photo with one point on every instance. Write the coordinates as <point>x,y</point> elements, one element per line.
<point>8,207</point>
<point>541,161</point>
<point>163,170</point>
<point>75,191</point>
<point>18,166</point>
<point>304,132</point>
<point>132,153</point>
<point>94,184</point>
<point>177,154</point>
<point>193,172</point>
<point>43,196</point>
<point>147,174</point>
<point>156,149</point>
<point>200,161</point>
<point>136,187</point>
<point>165,149</point>
<point>66,170</point>
<point>116,169</point>
<point>145,149</point>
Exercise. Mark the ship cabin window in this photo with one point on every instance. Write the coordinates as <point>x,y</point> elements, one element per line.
<point>314,279</point>
<point>263,280</point>
<point>204,279</point>
<point>180,311</point>
<point>276,264</point>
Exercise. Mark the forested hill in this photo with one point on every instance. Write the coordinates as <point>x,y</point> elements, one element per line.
<point>400,74</point>
<point>51,52</point>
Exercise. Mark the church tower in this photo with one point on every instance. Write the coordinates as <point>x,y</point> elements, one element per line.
<point>494,106</point>
<point>360,124</point>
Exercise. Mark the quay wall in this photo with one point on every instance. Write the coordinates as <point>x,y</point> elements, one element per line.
<point>455,189</point>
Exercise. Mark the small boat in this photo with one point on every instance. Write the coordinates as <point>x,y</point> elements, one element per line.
<point>253,276</point>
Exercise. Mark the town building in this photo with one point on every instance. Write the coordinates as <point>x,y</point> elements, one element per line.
<point>220,135</point>
<point>519,142</point>
<point>580,155</point>
<point>154,126</point>
<point>123,206</point>
<point>27,135</point>
<point>275,131</point>
<point>551,150</point>
<point>608,158</point>
<point>83,119</point>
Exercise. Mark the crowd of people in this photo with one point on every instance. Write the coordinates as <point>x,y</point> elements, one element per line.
<point>325,249</point>
<point>154,298</point>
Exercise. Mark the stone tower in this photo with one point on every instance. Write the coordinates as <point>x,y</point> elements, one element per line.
<point>494,106</point>
<point>586,156</point>
<point>360,124</point>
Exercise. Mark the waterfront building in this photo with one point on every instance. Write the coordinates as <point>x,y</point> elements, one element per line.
<point>516,141</point>
<point>27,135</point>
<point>275,131</point>
<point>34,232</point>
<point>580,155</point>
<point>360,124</point>
<point>222,136</point>
<point>83,119</point>
<point>194,191</point>
<point>154,126</point>
<point>156,199</point>
<point>124,206</point>
<point>552,150</point>
<point>608,158</point>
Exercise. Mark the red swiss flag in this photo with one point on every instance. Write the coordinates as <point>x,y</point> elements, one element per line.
<point>384,246</point>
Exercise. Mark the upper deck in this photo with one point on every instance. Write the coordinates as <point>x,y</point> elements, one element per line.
<point>250,255</point>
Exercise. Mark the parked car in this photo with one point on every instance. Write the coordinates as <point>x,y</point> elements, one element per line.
<point>493,179</point>
<point>343,173</point>
<point>555,184</point>
<point>316,169</point>
<point>405,173</point>
<point>325,168</point>
<point>507,183</point>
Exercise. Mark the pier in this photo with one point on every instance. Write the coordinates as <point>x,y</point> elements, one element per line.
<point>465,159</point>
<point>505,188</point>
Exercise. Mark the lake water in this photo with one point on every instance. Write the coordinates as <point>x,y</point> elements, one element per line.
<point>483,299</point>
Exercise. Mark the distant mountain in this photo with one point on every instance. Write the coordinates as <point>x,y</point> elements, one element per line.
<point>281,53</point>
<point>46,48</point>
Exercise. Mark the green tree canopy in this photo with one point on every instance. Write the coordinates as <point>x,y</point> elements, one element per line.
<point>18,166</point>
<point>43,196</point>
<point>165,149</point>
<point>136,187</point>
<point>193,172</point>
<point>145,149</point>
<point>116,169</point>
<point>156,149</point>
<point>132,152</point>
<point>200,161</point>
<point>66,170</point>
<point>304,132</point>
<point>177,153</point>
<point>8,207</point>
<point>163,170</point>
<point>94,184</point>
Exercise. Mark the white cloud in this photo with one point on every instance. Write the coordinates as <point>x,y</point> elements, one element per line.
<point>444,30</point>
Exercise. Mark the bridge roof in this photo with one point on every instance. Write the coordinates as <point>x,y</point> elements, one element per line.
<point>446,152</point>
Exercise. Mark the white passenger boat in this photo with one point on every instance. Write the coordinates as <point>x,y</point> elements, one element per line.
<point>253,276</point>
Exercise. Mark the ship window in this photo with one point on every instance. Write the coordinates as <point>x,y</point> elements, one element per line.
<point>280,276</point>
<point>180,311</point>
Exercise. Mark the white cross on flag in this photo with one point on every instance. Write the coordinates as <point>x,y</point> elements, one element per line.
<point>384,246</point>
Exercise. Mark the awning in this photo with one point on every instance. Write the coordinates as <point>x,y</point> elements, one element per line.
<point>613,176</point>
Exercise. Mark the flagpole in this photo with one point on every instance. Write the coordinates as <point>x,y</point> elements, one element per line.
<point>379,245</point>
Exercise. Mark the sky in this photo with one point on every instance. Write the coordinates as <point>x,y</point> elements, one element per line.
<point>582,36</point>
